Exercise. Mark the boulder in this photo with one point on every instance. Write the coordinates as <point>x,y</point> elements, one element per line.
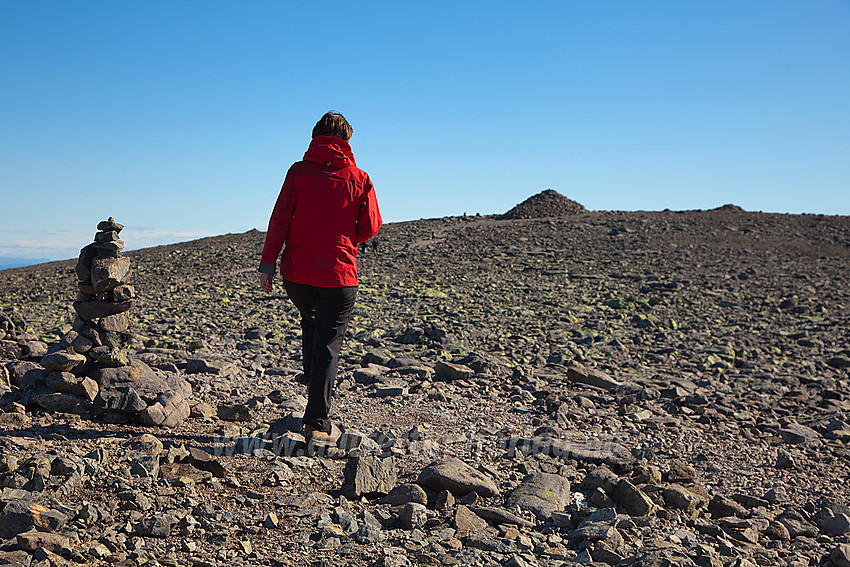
<point>541,493</point>
<point>449,473</point>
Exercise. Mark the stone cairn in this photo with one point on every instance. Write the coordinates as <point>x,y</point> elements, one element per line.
<point>90,371</point>
<point>101,330</point>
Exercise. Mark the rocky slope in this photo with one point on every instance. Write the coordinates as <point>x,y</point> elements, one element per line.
<point>645,388</point>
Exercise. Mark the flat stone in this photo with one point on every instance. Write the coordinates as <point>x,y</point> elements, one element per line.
<point>61,402</point>
<point>352,439</point>
<point>145,444</point>
<point>722,506</point>
<point>593,451</point>
<point>592,377</point>
<point>795,434</point>
<point>467,522</point>
<point>452,474</point>
<point>541,494</point>
<point>234,412</point>
<point>498,516</point>
<point>796,524</point>
<point>450,372</point>
<point>63,361</point>
<point>204,461</point>
<point>142,379</point>
<point>597,525</point>
<point>368,475</point>
<point>95,309</point>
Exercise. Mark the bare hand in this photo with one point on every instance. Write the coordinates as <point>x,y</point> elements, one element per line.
<point>266,282</point>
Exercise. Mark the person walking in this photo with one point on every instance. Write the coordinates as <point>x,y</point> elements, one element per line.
<point>326,207</point>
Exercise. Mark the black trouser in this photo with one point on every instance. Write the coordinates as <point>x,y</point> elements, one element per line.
<point>325,312</point>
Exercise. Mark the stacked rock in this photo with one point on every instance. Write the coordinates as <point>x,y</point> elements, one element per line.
<point>12,326</point>
<point>91,371</point>
<point>101,330</point>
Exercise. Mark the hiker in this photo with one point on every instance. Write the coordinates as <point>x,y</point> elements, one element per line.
<point>326,207</point>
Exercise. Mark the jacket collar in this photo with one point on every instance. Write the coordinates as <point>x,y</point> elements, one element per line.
<point>330,152</point>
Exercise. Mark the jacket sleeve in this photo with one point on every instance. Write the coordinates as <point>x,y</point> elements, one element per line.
<point>368,215</point>
<point>279,223</point>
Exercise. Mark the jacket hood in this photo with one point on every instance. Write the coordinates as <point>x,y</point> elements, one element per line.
<point>330,152</point>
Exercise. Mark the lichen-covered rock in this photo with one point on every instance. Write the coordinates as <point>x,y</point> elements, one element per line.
<point>541,494</point>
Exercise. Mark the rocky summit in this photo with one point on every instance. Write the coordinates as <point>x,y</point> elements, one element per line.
<point>606,388</point>
<point>548,203</point>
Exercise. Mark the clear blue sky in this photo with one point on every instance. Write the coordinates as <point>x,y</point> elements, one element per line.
<point>180,118</point>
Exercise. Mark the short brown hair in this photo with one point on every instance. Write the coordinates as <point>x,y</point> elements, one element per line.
<point>333,124</point>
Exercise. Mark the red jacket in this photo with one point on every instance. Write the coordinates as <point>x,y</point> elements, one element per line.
<point>326,207</point>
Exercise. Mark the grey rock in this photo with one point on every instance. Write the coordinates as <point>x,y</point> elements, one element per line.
<point>404,494</point>
<point>157,525</point>
<point>722,506</point>
<point>488,543</point>
<point>541,494</point>
<point>81,386</point>
<point>110,225</point>
<point>633,500</point>
<point>106,273</point>
<point>368,475</point>
<point>60,402</point>
<point>796,524</point>
<point>795,433</point>
<point>169,410</point>
<point>467,522</point>
<point>592,377</point>
<point>368,375</point>
<point>679,497</point>
<point>450,372</point>
<point>499,516</point>
<point>597,525</point>
<point>412,514</point>
<point>836,525</point>
<point>369,530</point>
<point>352,439</point>
<point>449,473</point>
<point>202,366</point>
<point>116,323</point>
<point>124,400</point>
<point>63,361</point>
<point>145,466</point>
<point>593,451</point>
<point>840,555</point>
<point>19,516</point>
<point>17,370</point>
<point>95,309</point>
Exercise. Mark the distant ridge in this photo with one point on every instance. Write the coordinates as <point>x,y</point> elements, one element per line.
<point>548,203</point>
